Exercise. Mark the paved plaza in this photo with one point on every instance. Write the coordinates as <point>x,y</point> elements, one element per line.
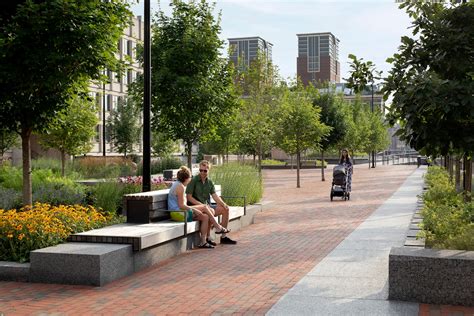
<point>284,264</point>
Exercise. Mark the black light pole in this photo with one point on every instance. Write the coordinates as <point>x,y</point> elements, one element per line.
<point>103,118</point>
<point>146,183</point>
<point>372,110</point>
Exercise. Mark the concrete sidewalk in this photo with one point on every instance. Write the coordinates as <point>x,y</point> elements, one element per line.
<point>353,278</point>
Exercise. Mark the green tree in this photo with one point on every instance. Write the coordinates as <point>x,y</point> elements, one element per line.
<point>225,140</point>
<point>378,136</point>
<point>363,76</point>
<point>192,86</point>
<point>254,123</point>
<point>298,126</point>
<point>357,118</point>
<point>8,139</point>
<point>432,81</point>
<point>72,130</point>
<point>124,126</point>
<point>49,50</point>
<point>331,115</point>
<point>163,146</point>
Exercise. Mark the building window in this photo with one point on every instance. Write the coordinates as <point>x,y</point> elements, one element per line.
<point>97,133</point>
<point>130,48</point>
<point>109,102</point>
<point>119,46</point>
<point>129,76</point>
<point>313,54</point>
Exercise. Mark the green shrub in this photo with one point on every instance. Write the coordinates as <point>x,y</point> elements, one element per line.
<point>47,163</point>
<point>238,180</point>
<point>104,167</point>
<point>44,225</point>
<point>11,177</point>
<point>448,221</point>
<point>271,162</point>
<point>9,198</point>
<point>57,193</point>
<point>108,196</point>
<point>158,165</point>
<point>55,166</point>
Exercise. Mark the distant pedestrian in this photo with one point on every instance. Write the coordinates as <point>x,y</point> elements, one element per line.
<point>346,161</point>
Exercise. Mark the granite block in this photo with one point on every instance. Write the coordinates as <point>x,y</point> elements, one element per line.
<point>431,276</point>
<point>81,263</point>
<point>14,271</point>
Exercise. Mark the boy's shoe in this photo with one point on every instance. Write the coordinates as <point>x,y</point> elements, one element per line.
<point>211,242</point>
<point>227,240</point>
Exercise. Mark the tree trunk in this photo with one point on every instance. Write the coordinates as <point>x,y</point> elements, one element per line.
<point>298,157</point>
<point>189,152</point>
<point>26,155</point>
<point>322,166</point>
<point>467,177</point>
<point>458,173</point>
<point>450,166</point>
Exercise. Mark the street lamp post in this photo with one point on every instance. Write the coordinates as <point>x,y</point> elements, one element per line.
<point>146,183</point>
<point>372,110</point>
<point>103,118</point>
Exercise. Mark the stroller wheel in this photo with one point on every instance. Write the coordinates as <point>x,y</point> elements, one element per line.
<point>348,196</point>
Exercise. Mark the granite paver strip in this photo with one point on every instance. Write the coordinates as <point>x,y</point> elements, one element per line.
<point>272,255</point>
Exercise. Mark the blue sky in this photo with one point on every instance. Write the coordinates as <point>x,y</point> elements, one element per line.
<point>370,29</point>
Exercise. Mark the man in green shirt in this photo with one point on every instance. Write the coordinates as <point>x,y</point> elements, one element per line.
<point>199,190</point>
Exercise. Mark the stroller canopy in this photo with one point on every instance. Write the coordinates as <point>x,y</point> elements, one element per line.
<point>338,170</point>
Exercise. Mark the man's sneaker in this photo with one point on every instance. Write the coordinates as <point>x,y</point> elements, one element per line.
<point>211,242</point>
<point>227,240</point>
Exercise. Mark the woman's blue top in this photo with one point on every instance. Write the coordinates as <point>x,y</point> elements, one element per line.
<point>173,197</point>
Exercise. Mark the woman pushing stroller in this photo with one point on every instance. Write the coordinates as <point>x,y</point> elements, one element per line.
<point>346,161</point>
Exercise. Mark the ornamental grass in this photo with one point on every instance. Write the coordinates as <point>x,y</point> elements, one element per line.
<point>44,225</point>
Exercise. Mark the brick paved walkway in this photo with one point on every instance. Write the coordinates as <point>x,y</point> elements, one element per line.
<point>272,255</point>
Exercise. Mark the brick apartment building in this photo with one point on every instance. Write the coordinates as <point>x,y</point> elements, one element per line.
<point>318,58</point>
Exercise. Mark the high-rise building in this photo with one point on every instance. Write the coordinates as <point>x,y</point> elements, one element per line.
<point>318,58</point>
<point>248,48</point>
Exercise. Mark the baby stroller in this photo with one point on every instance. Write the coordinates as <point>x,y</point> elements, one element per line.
<point>339,183</point>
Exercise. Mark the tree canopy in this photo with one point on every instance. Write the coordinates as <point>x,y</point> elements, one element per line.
<point>49,50</point>
<point>72,130</point>
<point>124,127</point>
<point>432,79</point>
<point>191,84</point>
<point>298,126</point>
